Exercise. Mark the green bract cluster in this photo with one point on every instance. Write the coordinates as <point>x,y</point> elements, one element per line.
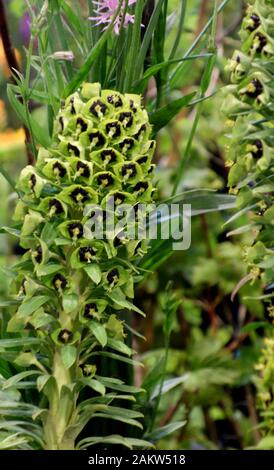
<point>249,107</point>
<point>265,384</point>
<point>72,284</point>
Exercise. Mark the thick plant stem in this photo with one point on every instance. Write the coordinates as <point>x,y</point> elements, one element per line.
<point>61,408</point>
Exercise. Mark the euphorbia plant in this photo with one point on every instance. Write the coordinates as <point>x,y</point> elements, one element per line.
<point>249,106</point>
<point>71,285</point>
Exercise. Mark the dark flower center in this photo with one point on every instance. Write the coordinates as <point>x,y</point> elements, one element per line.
<point>32,181</point>
<point>255,22</point>
<point>75,230</point>
<point>65,336</point>
<point>98,215</point>
<point>83,169</point>
<point>129,170</point>
<point>261,41</point>
<point>90,310</point>
<point>105,179</point>
<point>82,124</point>
<point>126,119</point>
<point>72,149</point>
<point>61,122</point>
<point>55,206</point>
<point>113,129</point>
<point>38,254</point>
<point>108,156</point>
<point>86,254</point>
<point>113,276</point>
<point>142,129</point>
<point>59,282</point>
<point>132,106</point>
<point>98,108</point>
<point>72,108</point>
<point>79,195</point>
<point>116,100</point>
<point>141,187</point>
<point>259,146</point>
<point>118,198</point>
<point>142,159</point>
<point>118,240</point>
<point>96,139</point>
<point>254,89</point>
<point>127,144</point>
<point>59,170</point>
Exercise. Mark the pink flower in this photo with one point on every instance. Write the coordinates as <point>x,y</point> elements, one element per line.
<point>106,11</point>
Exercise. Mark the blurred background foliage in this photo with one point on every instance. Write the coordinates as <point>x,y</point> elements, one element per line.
<point>210,377</point>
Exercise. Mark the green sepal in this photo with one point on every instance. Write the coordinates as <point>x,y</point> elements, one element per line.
<point>105,181</point>
<point>106,158</point>
<point>86,195</point>
<point>99,331</point>
<point>40,254</point>
<point>93,309</point>
<point>68,355</point>
<point>30,182</point>
<point>81,259</point>
<point>66,229</point>
<point>56,170</point>
<point>31,221</point>
<point>71,340</point>
<point>92,140</point>
<point>115,277</point>
<point>90,90</point>
<point>53,207</point>
<point>94,272</point>
<point>21,209</point>
<point>128,172</point>
<point>81,170</point>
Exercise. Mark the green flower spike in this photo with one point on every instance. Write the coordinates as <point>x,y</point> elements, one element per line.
<point>70,282</point>
<point>248,105</point>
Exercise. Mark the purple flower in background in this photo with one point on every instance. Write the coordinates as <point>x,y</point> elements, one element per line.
<point>107,9</point>
<point>25,27</point>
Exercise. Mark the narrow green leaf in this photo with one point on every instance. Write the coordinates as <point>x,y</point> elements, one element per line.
<point>163,116</point>
<point>31,305</point>
<point>119,299</point>
<point>94,272</point>
<point>39,132</point>
<point>161,433</point>
<point>16,342</point>
<point>119,346</point>
<point>12,381</point>
<point>99,332</point>
<point>115,439</point>
<point>96,385</point>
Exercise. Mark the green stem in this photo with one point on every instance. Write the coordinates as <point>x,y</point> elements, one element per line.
<point>58,416</point>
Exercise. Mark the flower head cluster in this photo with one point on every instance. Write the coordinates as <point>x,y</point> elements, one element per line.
<point>249,106</point>
<point>101,152</point>
<point>107,10</point>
